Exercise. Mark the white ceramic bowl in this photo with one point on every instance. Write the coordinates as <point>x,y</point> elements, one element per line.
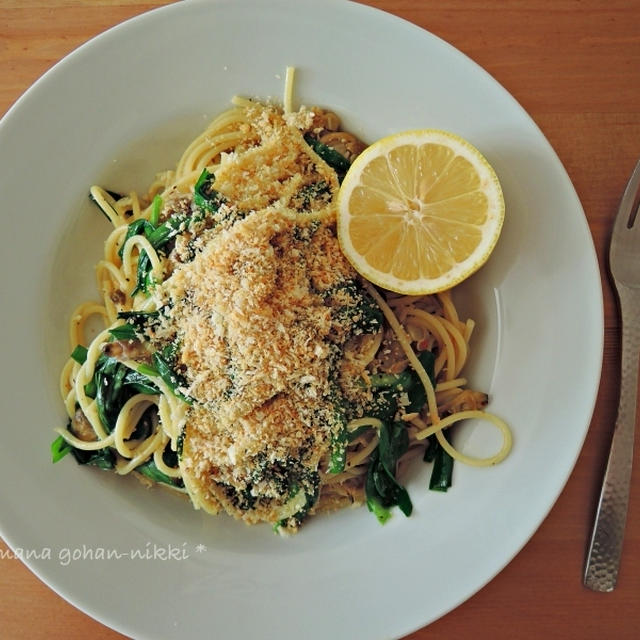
<point>123,107</point>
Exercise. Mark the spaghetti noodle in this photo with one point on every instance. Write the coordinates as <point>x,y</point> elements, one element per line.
<point>243,361</point>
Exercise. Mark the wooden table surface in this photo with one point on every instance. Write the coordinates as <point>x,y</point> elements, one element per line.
<point>574,65</point>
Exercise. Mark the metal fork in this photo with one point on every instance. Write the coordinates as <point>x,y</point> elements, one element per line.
<point>603,558</point>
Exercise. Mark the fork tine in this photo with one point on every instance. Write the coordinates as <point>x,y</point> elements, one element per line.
<point>624,249</point>
<point>627,211</point>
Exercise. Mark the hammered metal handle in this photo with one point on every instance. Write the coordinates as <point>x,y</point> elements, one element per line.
<point>603,558</point>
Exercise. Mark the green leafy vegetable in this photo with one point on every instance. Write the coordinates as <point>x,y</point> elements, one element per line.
<point>310,498</point>
<point>124,332</point>
<point>109,386</point>
<point>180,443</point>
<point>442,472</point>
<point>312,193</point>
<point>102,458</point>
<point>159,236</point>
<point>402,381</point>
<point>339,451</point>
<point>151,471</point>
<point>417,393</point>
<point>79,354</point>
<point>59,449</point>
<point>144,279</point>
<point>140,227</point>
<point>112,384</point>
<point>332,157</point>
<point>351,304</point>
<point>139,320</point>
<point>162,369</point>
<point>90,388</point>
<point>382,489</point>
<point>387,387</point>
<point>340,438</point>
<point>140,383</point>
<point>205,196</point>
<point>156,208</point>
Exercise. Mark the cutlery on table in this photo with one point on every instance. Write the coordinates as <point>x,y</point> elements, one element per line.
<point>603,558</point>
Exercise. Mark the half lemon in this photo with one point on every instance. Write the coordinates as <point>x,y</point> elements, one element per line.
<point>419,211</point>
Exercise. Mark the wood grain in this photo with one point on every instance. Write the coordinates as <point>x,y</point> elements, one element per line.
<point>574,65</point>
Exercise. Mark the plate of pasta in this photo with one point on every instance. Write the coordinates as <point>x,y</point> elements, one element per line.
<point>225,409</point>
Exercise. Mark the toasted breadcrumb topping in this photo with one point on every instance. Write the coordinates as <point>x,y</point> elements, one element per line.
<point>258,313</point>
